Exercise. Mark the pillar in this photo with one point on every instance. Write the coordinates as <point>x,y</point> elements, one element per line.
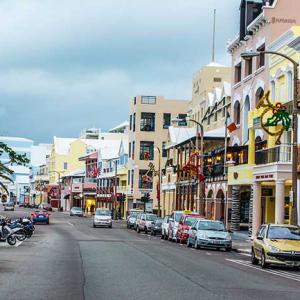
<point>256,212</point>
<point>251,147</point>
<point>235,211</point>
<point>250,213</point>
<point>279,202</point>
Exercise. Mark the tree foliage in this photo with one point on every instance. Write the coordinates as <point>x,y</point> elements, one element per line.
<point>13,159</point>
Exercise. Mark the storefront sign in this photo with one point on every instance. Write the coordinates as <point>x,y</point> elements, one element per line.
<point>257,123</point>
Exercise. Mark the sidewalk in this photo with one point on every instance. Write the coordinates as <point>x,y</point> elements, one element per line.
<point>241,242</point>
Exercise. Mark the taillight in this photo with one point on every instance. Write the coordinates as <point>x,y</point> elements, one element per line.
<point>34,215</point>
<point>47,215</point>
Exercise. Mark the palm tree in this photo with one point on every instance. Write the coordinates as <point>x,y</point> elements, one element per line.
<point>14,159</point>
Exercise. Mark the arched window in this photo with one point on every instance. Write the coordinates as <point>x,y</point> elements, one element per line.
<point>258,95</point>
<point>290,85</point>
<point>273,91</point>
<point>237,113</point>
<point>245,119</point>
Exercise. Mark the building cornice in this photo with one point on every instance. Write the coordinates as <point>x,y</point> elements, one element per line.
<point>282,41</point>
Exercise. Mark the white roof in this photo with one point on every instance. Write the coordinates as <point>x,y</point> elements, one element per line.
<point>226,91</point>
<point>215,133</point>
<point>215,64</point>
<point>62,145</point>
<point>12,138</point>
<point>178,135</point>
<point>38,154</point>
<point>78,172</point>
<point>218,93</point>
<point>210,99</point>
<point>122,125</point>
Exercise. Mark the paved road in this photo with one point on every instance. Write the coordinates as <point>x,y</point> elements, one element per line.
<point>71,260</point>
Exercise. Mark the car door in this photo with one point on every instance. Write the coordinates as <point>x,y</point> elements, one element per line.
<point>171,224</point>
<point>193,231</point>
<point>165,225</point>
<point>258,242</point>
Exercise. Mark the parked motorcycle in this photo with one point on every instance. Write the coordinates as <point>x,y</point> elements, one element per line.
<point>7,234</point>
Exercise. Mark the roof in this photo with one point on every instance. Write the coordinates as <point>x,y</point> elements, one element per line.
<point>215,133</point>
<point>14,139</point>
<point>179,134</point>
<point>76,173</point>
<point>215,64</point>
<point>62,145</point>
<point>122,125</point>
<point>226,89</point>
<point>38,154</point>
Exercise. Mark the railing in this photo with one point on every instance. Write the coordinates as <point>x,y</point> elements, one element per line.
<point>280,153</point>
<point>214,171</point>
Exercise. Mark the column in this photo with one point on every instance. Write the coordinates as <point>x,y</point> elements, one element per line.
<point>251,147</point>
<point>235,212</point>
<point>250,213</point>
<point>279,202</point>
<point>256,214</point>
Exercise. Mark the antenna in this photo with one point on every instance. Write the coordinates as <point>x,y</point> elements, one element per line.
<point>214,36</point>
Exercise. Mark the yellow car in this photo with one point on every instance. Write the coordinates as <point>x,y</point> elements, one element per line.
<point>278,245</point>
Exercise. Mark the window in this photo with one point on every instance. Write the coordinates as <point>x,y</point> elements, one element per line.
<point>146,150</point>
<point>130,122</point>
<point>128,177</point>
<point>145,180</point>
<point>248,67</point>
<point>290,85</point>
<point>208,120</point>
<point>238,73</point>
<point>216,116</point>
<point>182,117</point>
<point>147,121</point>
<point>133,121</point>
<point>133,149</point>
<point>273,91</point>
<point>217,79</point>
<point>245,119</point>
<point>260,60</point>
<point>132,178</point>
<point>148,100</point>
<point>224,107</point>
<point>65,165</point>
<point>258,95</point>
<point>237,113</point>
<point>202,112</point>
<point>129,150</point>
<point>164,151</point>
<point>134,100</point>
<point>167,120</point>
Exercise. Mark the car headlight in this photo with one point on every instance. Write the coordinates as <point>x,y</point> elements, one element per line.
<point>202,236</point>
<point>228,237</point>
<point>273,248</point>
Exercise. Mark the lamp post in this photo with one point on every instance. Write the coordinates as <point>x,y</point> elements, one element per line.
<point>199,125</point>
<point>249,55</point>
<point>159,181</point>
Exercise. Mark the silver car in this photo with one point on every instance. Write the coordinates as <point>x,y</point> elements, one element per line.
<point>173,224</point>
<point>207,233</point>
<point>76,211</point>
<point>102,217</point>
<point>165,228</point>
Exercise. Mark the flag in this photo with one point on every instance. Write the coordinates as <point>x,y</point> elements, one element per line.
<point>231,126</point>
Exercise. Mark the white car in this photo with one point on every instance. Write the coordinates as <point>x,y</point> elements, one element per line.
<point>165,228</point>
<point>173,224</point>
<point>9,206</point>
<point>102,217</point>
<point>76,211</point>
<point>144,222</point>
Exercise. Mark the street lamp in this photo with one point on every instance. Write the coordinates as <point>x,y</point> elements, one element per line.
<point>159,181</point>
<point>249,55</point>
<point>199,125</point>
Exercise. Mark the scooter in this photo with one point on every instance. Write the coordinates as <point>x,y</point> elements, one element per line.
<point>7,234</point>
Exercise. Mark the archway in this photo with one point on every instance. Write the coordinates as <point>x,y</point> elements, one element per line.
<point>237,112</point>
<point>245,120</point>
<point>220,205</point>
<point>258,95</point>
<point>209,205</point>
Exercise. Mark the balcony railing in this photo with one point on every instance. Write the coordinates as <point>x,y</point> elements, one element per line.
<point>281,153</point>
<point>215,171</point>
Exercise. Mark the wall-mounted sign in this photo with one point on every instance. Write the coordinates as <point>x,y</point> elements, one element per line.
<point>235,175</point>
<point>257,123</point>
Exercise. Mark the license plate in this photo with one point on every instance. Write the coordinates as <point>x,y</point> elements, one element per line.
<point>41,216</point>
<point>217,242</point>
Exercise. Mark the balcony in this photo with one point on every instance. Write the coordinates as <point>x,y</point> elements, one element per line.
<point>279,154</point>
<point>216,172</point>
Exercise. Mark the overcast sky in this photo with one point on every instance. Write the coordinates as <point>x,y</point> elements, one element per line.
<point>66,65</point>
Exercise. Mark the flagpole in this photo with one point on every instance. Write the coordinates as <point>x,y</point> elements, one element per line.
<point>225,160</point>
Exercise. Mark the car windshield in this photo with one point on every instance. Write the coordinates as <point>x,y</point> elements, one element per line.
<point>133,214</point>
<point>208,225</point>
<point>289,233</point>
<point>189,220</point>
<point>158,221</point>
<point>151,217</point>
<point>103,212</point>
<point>178,216</point>
<point>77,208</point>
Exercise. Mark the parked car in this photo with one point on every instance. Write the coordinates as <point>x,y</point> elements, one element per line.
<point>156,226</point>
<point>138,216</point>
<point>276,245</point>
<point>45,206</point>
<point>9,206</point>
<point>165,227</point>
<point>144,222</point>
<point>102,217</point>
<point>173,223</point>
<point>185,223</point>
<point>76,211</point>
<point>208,233</point>
<point>131,218</point>
<point>41,216</point>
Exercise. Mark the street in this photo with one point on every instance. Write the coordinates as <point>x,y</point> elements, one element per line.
<point>71,260</point>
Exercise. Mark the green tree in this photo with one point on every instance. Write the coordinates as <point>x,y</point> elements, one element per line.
<point>14,159</point>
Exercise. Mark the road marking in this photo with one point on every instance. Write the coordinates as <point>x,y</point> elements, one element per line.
<point>245,254</point>
<point>285,274</point>
<point>70,224</point>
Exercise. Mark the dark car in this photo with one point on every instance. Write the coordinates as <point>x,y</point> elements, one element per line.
<point>156,226</point>
<point>45,206</point>
<point>40,216</point>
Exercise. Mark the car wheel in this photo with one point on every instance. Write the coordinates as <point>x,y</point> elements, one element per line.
<point>263,260</point>
<point>196,244</point>
<point>145,229</point>
<point>48,222</point>
<point>94,225</point>
<point>154,233</point>
<point>228,249</point>
<point>254,260</point>
<point>138,229</point>
<point>110,226</point>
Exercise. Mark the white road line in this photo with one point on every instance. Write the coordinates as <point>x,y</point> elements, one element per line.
<point>245,254</point>
<point>70,224</point>
<point>284,274</point>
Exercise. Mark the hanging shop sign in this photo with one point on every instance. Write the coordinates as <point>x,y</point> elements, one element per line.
<point>280,117</point>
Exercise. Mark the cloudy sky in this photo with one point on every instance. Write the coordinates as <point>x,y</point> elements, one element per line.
<point>70,64</point>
